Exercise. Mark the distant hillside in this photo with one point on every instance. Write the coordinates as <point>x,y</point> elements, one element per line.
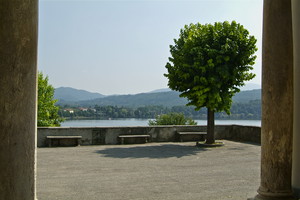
<point>160,90</point>
<point>67,94</point>
<point>250,86</point>
<point>246,96</point>
<point>167,99</point>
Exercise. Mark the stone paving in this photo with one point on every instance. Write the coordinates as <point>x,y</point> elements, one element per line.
<point>164,171</point>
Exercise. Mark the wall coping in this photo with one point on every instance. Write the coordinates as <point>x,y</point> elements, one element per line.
<point>158,126</point>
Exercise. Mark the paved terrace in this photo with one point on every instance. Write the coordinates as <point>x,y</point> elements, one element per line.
<point>164,171</point>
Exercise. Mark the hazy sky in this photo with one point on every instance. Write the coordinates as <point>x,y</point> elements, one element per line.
<point>121,47</point>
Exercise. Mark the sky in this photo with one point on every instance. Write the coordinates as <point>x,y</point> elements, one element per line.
<point>122,46</point>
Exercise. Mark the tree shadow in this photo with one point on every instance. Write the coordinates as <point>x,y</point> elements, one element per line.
<point>154,152</point>
<point>243,147</point>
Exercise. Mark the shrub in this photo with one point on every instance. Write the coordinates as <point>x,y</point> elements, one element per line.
<point>171,119</point>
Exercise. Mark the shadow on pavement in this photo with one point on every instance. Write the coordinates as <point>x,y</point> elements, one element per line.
<point>157,151</point>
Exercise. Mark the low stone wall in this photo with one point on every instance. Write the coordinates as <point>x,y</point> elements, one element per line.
<point>109,135</point>
<point>241,133</point>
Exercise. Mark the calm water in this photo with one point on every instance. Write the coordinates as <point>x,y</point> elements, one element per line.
<point>144,122</point>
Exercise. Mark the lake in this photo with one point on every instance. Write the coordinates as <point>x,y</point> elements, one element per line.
<point>144,122</point>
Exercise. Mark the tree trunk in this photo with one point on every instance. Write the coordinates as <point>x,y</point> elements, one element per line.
<point>210,137</point>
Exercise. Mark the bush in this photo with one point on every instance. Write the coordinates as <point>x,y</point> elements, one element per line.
<point>47,112</point>
<point>172,119</point>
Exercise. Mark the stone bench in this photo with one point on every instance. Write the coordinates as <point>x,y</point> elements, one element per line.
<point>63,140</point>
<point>191,136</point>
<point>144,138</point>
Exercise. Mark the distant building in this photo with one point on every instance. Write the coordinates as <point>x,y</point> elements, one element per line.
<point>83,109</point>
<point>69,110</point>
<point>92,109</point>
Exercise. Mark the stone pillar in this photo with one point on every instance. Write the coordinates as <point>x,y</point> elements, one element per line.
<point>296,137</point>
<point>277,102</point>
<point>18,69</point>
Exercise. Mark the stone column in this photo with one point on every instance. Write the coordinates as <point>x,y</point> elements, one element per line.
<point>277,102</point>
<point>296,137</point>
<point>18,69</point>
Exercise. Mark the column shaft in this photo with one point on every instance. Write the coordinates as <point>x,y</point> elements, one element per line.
<point>18,68</point>
<point>296,137</point>
<point>277,101</point>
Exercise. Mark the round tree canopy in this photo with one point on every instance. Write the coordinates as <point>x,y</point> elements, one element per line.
<point>210,62</point>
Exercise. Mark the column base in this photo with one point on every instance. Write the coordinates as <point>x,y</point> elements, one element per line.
<point>261,197</point>
<point>296,192</point>
<point>265,194</point>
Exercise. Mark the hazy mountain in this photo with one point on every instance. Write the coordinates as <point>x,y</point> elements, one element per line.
<point>246,96</point>
<point>68,94</point>
<point>160,90</point>
<point>250,86</point>
<point>167,99</point>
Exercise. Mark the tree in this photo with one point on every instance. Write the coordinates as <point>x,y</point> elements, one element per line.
<point>209,63</point>
<point>47,111</point>
<point>172,119</point>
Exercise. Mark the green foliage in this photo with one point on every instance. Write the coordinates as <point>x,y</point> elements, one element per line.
<point>47,111</point>
<point>209,62</point>
<point>172,119</point>
<point>245,110</point>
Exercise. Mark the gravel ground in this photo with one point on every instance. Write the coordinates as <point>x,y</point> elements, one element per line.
<point>164,171</point>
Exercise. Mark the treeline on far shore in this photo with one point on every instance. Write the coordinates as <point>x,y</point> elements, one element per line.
<point>242,111</point>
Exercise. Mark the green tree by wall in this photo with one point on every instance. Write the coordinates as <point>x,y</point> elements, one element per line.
<point>47,112</point>
<point>172,119</point>
<point>207,65</point>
